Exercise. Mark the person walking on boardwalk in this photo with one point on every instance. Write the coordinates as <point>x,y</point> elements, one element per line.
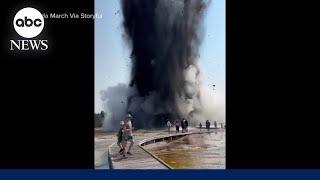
<point>119,135</point>
<point>182,125</point>
<point>127,135</point>
<point>169,126</point>
<point>208,125</point>
<point>177,126</point>
<point>186,124</point>
<point>200,126</point>
<point>215,124</point>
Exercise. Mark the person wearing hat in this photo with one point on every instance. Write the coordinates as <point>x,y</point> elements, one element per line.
<point>127,134</point>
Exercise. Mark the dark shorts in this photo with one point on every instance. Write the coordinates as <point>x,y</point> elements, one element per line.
<point>127,138</point>
<point>119,139</point>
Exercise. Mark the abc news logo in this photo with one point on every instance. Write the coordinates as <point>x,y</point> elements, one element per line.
<point>28,23</point>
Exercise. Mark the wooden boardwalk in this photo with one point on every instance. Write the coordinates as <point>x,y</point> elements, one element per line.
<point>138,160</point>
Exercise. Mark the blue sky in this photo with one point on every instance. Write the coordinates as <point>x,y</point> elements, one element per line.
<point>112,63</point>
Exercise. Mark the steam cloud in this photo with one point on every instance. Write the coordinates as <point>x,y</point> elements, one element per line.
<point>164,36</point>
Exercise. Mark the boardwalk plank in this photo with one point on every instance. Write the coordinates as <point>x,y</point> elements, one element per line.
<point>138,160</point>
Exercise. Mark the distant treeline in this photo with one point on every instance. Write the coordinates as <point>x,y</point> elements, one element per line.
<point>98,119</point>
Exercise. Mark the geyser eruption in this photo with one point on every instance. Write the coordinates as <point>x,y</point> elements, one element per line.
<point>164,36</point>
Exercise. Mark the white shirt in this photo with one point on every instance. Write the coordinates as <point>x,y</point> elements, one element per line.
<point>128,128</point>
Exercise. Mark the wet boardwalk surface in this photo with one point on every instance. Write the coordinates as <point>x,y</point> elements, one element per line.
<point>195,151</point>
<point>102,142</point>
<point>138,160</point>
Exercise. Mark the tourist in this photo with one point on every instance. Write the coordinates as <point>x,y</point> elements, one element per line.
<point>119,135</point>
<point>200,126</point>
<point>208,125</point>
<point>177,126</point>
<point>183,126</point>
<point>169,126</point>
<point>186,125</point>
<point>127,135</point>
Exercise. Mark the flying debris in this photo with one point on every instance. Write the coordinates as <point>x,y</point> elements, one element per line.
<point>164,36</point>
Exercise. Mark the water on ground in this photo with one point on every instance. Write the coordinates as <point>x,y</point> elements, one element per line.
<point>197,151</point>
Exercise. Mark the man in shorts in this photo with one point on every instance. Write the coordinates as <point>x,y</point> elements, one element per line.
<point>127,135</point>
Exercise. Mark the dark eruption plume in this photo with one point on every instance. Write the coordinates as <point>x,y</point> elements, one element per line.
<point>164,36</point>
